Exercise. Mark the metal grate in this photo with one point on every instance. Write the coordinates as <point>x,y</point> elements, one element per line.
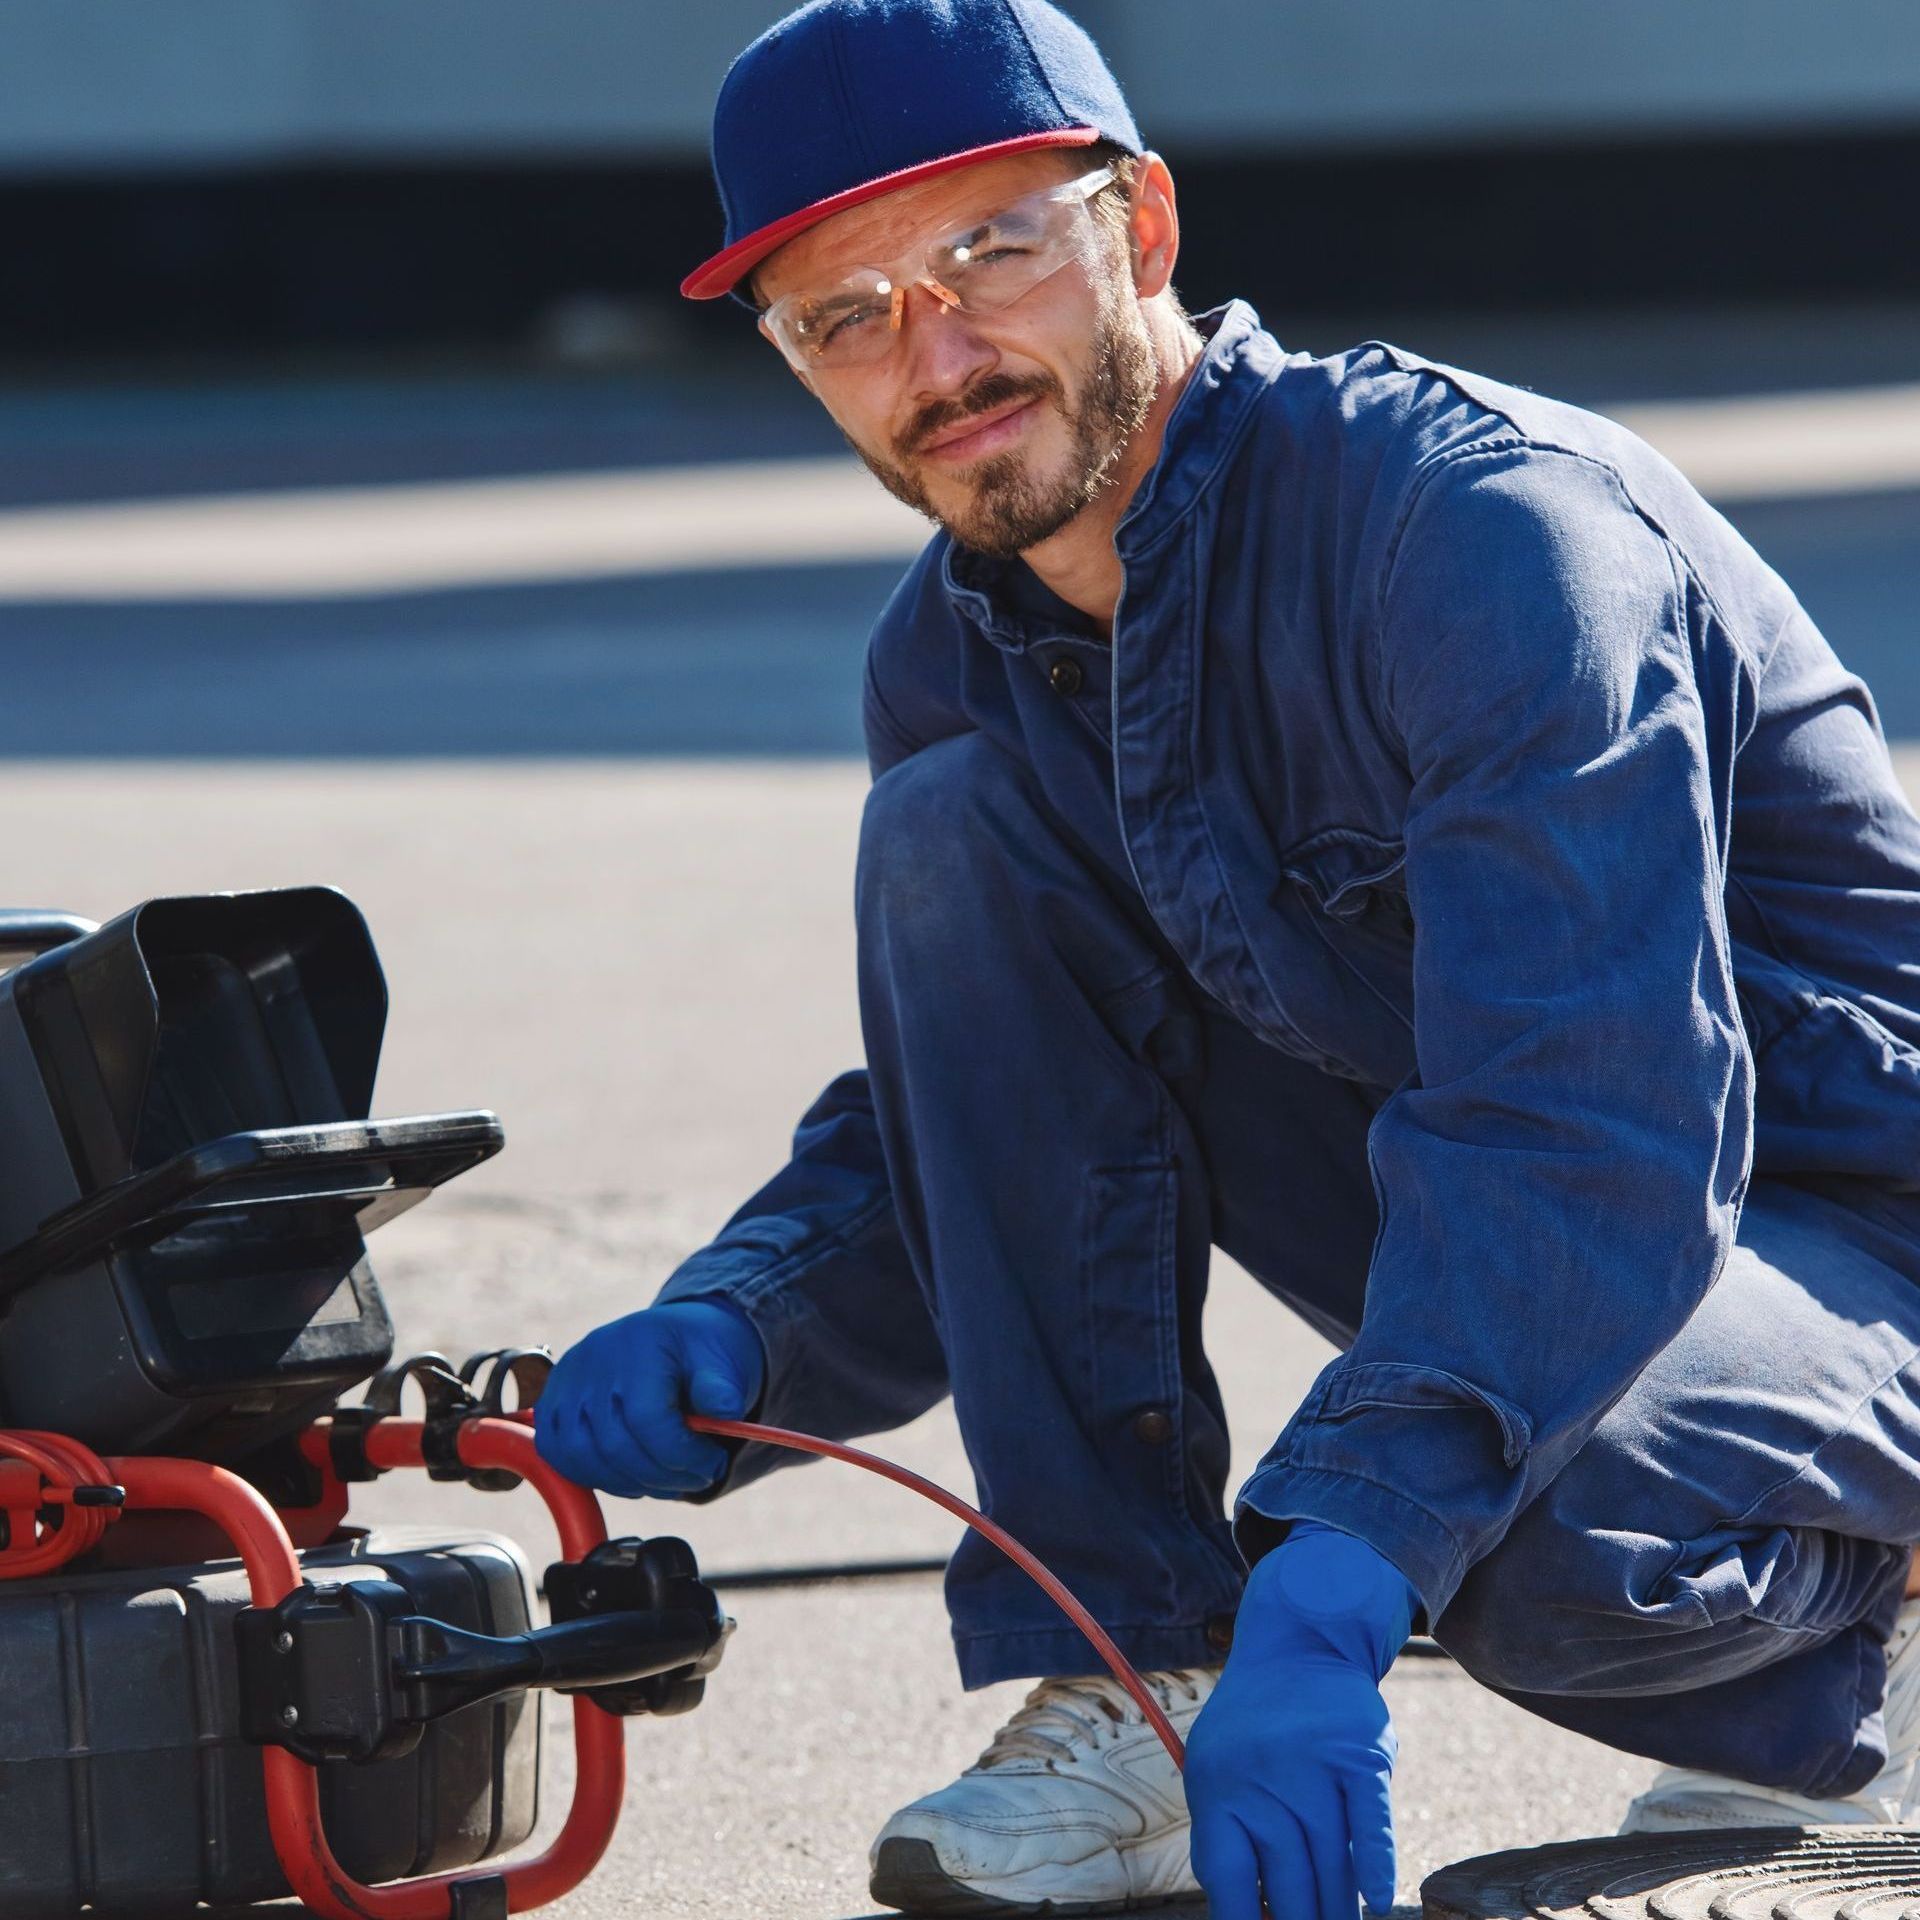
<point>1741,1873</point>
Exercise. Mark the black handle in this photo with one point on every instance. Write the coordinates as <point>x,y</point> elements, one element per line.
<point>371,1168</point>
<point>28,931</point>
<point>438,1668</point>
<point>348,1671</point>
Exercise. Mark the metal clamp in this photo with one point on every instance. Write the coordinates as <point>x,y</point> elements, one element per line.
<point>450,1399</point>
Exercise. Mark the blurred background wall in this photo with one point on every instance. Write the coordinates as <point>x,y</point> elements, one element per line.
<point>212,174</point>
<point>348,406</point>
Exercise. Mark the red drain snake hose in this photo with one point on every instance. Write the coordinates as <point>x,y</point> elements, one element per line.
<point>55,1465</point>
<point>45,1474</point>
<point>1021,1558</point>
<point>41,1474</point>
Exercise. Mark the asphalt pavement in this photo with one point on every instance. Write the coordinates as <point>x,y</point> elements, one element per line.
<point>646,967</point>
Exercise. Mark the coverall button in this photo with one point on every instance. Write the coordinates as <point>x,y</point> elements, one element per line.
<point>1220,1632</point>
<point>1153,1427</point>
<point>1064,676</point>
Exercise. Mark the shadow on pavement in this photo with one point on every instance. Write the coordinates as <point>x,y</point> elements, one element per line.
<point>753,662</point>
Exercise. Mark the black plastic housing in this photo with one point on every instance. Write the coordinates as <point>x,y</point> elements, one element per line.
<point>125,1778</point>
<point>191,1171</point>
<point>657,1577</point>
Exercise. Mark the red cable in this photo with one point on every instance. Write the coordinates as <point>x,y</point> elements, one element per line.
<point>62,1465</point>
<point>1001,1538</point>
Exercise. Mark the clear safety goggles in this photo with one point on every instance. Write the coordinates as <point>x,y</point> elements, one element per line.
<point>979,268</point>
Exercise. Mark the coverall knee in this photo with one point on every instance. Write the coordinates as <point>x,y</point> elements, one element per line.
<point>1710,1580</point>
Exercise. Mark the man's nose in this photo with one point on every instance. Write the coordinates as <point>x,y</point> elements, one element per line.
<point>944,351</point>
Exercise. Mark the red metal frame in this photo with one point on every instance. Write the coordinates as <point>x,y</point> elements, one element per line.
<point>293,1791</point>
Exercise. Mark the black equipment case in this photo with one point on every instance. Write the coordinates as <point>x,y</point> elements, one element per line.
<point>190,1174</point>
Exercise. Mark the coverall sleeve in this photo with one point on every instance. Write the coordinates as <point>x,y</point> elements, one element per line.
<point>815,1260</point>
<point>1560,1178</point>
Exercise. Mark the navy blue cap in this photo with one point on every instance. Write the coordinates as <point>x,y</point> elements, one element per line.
<point>845,100</point>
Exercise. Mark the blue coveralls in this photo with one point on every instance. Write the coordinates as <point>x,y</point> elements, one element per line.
<point>1470,892</point>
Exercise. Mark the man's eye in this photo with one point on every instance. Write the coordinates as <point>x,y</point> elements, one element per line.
<point>820,330</point>
<point>843,324</point>
<point>991,249</point>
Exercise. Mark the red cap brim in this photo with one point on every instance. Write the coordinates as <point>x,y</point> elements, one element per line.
<point>728,267</point>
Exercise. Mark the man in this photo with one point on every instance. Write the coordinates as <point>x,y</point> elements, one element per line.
<point>1381,823</point>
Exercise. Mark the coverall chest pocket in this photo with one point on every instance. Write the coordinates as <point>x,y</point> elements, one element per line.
<point>1349,887</point>
<point>1354,878</point>
<point>1356,886</point>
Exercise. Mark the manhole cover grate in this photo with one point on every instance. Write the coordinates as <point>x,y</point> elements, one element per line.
<point>1738,1873</point>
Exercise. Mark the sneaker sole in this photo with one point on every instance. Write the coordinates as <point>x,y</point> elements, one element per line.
<point>907,1874</point>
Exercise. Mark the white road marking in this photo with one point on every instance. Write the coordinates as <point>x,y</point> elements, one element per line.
<point>339,542</point>
<point>328,542</point>
<point>1787,446</point>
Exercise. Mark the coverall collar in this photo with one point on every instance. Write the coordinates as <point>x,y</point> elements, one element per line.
<point>1009,603</point>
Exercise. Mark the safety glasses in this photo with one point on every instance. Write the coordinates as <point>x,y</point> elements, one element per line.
<point>980,268</point>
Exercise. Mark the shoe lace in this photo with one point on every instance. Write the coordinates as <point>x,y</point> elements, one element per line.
<point>1910,1797</point>
<point>1059,1718</point>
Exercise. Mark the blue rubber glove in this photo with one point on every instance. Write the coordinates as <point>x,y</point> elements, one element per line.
<point>1290,1762</point>
<point>611,1414</point>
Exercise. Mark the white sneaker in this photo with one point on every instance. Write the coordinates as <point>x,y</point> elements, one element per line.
<point>1074,1807</point>
<point>1682,1798</point>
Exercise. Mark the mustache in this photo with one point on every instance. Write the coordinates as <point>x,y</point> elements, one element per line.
<point>993,390</point>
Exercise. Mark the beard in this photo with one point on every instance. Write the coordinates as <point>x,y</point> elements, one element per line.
<point>1013,509</point>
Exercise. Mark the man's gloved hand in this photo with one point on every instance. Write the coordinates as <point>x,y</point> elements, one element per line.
<point>611,1415</point>
<point>1290,1762</point>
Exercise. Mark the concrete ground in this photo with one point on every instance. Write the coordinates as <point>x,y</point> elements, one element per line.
<point>602,826</point>
<point>646,968</point>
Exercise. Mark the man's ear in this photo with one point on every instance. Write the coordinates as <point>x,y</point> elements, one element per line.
<point>1154,226</point>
